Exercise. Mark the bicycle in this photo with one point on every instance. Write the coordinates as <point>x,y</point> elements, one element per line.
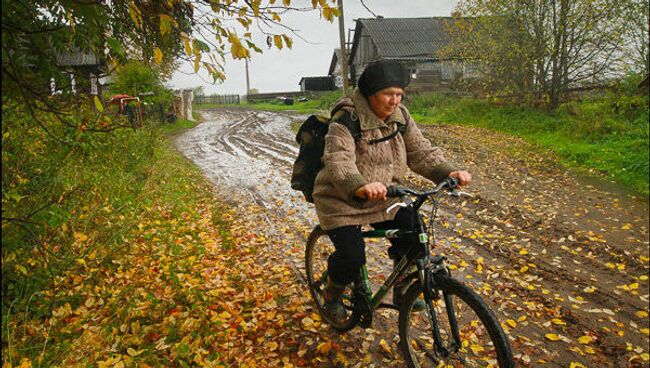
<point>456,328</point>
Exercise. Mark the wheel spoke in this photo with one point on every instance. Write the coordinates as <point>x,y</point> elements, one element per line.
<point>319,247</point>
<point>476,347</point>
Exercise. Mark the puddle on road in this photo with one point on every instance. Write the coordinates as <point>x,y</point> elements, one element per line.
<point>248,152</point>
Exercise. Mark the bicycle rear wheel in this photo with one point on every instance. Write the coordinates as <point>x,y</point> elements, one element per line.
<point>482,340</point>
<point>319,247</point>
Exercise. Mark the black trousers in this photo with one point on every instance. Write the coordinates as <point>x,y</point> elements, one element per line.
<point>344,265</point>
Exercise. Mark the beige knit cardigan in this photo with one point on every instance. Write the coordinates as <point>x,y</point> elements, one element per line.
<point>348,166</point>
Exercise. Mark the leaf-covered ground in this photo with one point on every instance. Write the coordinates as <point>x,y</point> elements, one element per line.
<point>563,262</point>
<point>562,258</point>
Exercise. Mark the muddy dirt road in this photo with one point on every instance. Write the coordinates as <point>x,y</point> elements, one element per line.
<point>562,259</point>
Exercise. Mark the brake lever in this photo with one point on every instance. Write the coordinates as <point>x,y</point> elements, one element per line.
<point>398,204</point>
<point>459,193</point>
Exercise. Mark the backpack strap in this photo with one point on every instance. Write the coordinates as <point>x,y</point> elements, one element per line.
<point>344,117</point>
<point>401,129</point>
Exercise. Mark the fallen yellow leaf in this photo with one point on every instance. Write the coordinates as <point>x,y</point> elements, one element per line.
<point>552,337</point>
<point>132,352</point>
<point>586,339</point>
<point>80,237</point>
<point>324,348</point>
<point>273,346</point>
<point>476,348</point>
<point>25,363</point>
<point>384,346</point>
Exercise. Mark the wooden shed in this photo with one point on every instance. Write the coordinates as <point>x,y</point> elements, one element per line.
<point>325,83</point>
<point>84,70</point>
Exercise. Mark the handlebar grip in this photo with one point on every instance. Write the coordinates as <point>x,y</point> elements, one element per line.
<point>451,182</point>
<point>395,191</point>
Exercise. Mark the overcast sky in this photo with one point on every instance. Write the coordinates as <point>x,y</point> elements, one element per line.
<point>281,70</point>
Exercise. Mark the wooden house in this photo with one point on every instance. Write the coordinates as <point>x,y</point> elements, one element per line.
<point>415,42</point>
<point>336,69</point>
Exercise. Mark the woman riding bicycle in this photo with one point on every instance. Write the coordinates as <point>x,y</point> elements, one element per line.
<point>350,190</point>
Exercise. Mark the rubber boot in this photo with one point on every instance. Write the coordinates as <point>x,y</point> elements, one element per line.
<point>400,289</point>
<point>334,308</point>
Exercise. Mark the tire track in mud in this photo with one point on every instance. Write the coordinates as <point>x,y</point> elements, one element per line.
<point>250,154</point>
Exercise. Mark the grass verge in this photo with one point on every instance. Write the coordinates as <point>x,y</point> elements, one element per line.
<point>594,136</point>
<point>96,276</point>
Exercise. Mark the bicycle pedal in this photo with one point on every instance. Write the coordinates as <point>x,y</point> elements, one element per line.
<point>388,306</point>
<point>365,319</point>
<point>365,322</point>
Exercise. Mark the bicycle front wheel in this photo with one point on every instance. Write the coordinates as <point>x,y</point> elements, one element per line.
<point>319,247</point>
<point>479,339</point>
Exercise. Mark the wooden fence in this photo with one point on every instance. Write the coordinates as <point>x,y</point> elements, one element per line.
<point>216,99</point>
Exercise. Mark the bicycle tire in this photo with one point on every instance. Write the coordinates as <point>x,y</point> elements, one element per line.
<point>416,343</point>
<point>318,249</point>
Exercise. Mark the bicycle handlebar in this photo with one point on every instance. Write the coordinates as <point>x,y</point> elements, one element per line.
<point>397,191</point>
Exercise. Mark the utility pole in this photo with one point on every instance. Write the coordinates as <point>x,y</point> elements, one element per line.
<point>248,84</point>
<point>344,53</point>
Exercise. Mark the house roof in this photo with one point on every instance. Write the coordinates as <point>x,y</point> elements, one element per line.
<point>75,57</point>
<point>404,37</point>
<point>335,60</point>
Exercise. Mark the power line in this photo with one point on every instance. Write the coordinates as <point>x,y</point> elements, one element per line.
<point>368,9</point>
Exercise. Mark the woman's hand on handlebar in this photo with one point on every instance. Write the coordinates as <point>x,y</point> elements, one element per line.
<point>464,178</point>
<point>372,191</point>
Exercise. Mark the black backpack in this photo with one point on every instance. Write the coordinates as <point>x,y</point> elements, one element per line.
<point>311,137</point>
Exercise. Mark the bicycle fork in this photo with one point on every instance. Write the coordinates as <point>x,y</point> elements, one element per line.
<point>430,291</point>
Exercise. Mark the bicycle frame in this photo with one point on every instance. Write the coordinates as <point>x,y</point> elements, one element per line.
<point>374,300</point>
<point>432,281</point>
<point>422,257</point>
<point>419,233</point>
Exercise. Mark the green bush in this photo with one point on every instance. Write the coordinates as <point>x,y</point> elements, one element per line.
<point>136,77</point>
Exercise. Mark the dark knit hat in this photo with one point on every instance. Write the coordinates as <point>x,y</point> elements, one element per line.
<point>383,74</point>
